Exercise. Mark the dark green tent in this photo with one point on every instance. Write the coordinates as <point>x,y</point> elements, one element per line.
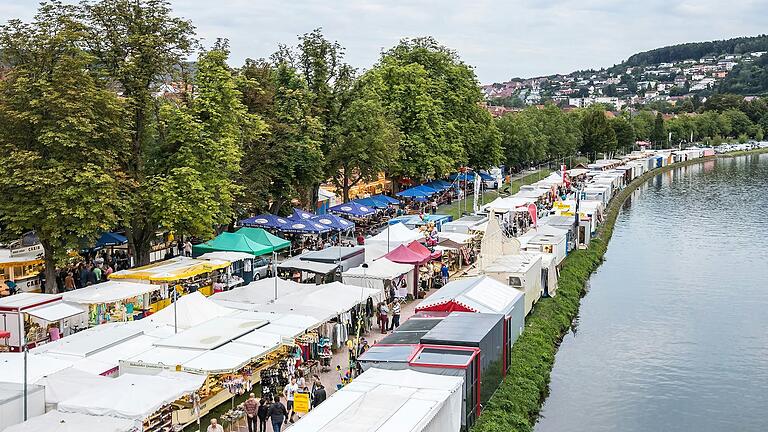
<point>259,235</point>
<point>232,242</point>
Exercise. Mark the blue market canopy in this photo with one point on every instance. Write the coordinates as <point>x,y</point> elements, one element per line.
<point>388,199</point>
<point>299,214</point>
<point>333,221</point>
<point>421,191</point>
<point>352,209</point>
<point>485,176</point>
<point>305,227</point>
<point>110,239</point>
<point>266,221</point>
<point>468,176</point>
<point>372,202</point>
<point>439,185</point>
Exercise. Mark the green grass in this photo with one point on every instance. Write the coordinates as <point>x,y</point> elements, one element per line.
<point>456,208</point>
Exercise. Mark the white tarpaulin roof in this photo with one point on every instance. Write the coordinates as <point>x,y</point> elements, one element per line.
<point>69,382</point>
<point>308,266</point>
<point>398,234</point>
<point>24,299</point>
<point>131,396</point>
<point>388,401</point>
<point>226,256</point>
<point>211,334</point>
<point>260,291</point>
<point>92,340</point>
<point>109,292</point>
<point>260,338</point>
<point>56,421</point>
<point>12,367</point>
<point>380,269</point>
<point>481,294</point>
<point>455,237</point>
<point>165,356</point>
<point>335,296</point>
<point>191,310</point>
<point>227,358</point>
<point>56,311</point>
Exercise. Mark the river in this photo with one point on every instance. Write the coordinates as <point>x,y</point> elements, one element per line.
<point>673,334</point>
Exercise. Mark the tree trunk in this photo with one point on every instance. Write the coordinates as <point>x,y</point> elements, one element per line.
<point>50,268</point>
<point>140,243</point>
<point>344,184</point>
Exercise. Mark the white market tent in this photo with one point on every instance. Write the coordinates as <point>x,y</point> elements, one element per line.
<point>161,357</point>
<point>211,334</point>
<point>482,294</point>
<point>38,367</point>
<point>258,292</point>
<point>388,239</point>
<point>227,358</point>
<point>56,311</point>
<point>69,382</point>
<point>190,310</point>
<point>56,421</point>
<point>108,292</point>
<point>90,341</point>
<point>131,396</point>
<point>377,273</point>
<point>385,400</point>
<point>226,256</point>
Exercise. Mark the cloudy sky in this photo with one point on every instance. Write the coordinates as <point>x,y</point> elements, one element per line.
<point>501,39</point>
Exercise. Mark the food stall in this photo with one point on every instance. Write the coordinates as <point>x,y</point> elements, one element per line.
<point>116,300</point>
<point>42,317</point>
<point>22,266</point>
<point>239,272</point>
<point>186,274</point>
<point>382,274</point>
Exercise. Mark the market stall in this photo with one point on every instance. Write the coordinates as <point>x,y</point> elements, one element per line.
<point>239,272</point>
<point>403,255</point>
<point>186,274</point>
<point>12,406</point>
<point>56,421</point>
<point>42,317</point>
<point>22,266</point>
<point>382,274</point>
<point>388,239</point>
<point>115,300</point>
<point>390,400</point>
<point>520,271</point>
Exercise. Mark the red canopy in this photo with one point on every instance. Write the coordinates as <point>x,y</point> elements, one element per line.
<point>403,255</point>
<point>423,251</point>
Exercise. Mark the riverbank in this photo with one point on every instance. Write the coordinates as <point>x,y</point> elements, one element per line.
<point>516,404</point>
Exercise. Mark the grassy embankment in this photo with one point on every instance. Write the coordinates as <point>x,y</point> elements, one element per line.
<point>516,404</point>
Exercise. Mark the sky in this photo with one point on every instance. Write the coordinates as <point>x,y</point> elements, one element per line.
<point>500,39</point>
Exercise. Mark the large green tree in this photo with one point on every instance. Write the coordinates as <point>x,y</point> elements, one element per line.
<point>597,134</point>
<point>522,140</point>
<point>60,136</point>
<point>139,44</point>
<point>287,161</point>
<point>625,134</point>
<point>659,131</point>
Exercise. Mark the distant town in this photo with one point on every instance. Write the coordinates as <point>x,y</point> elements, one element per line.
<point>618,87</point>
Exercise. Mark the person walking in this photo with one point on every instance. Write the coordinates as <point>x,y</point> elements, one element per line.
<point>444,273</point>
<point>383,317</point>
<point>97,274</point>
<point>395,315</point>
<point>251,407</point>
<point>262,414</point>
<point>69,282</point>
<point>277,413</point>
<point>318,392</point>
<point>215,426</point>
<point>188,248</point>
<point>289,392</point>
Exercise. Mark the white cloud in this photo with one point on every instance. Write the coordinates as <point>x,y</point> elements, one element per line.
<point>501,39</point>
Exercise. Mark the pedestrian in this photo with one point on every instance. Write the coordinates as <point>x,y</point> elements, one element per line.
<point>97,274</point>
<point>12,287</point>
<point>69,282</point>
<point>395,315</point>
<point>91,276</point>
<point>262,414</point>
<point>360,239</point>
<point>444,273</point>
<point>215,426</point>
<point>188,248</point>
<point>318,392</point>
<point>383,317</point>
<point>277,413</point>
<point>251,407</point>
<point>289,392</point>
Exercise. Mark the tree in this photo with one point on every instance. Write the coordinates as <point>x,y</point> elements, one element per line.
<point>198,151</point>
<point>659,133</point>
<point>367,141</point>
<point>60,136</point>
<point>681,128</point>
<point>722,102</point>
<point>642,123</point>
<point>625,134</point>
<point>706,125</point>
<point>138,44</point>
<point>523,144</point>
<point>286,161</point>
<point>740,123</point>
<point>597,134</point>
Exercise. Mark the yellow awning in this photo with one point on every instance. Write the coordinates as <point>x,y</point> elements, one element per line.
<point>178,268</point>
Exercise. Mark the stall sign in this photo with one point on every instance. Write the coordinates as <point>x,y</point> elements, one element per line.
<point>35,250</point>
<point>301,402</point>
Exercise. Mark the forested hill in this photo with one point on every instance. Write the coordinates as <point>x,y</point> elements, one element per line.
<point>697,50</point>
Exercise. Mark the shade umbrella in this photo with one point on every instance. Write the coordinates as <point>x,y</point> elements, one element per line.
<point>110,239</point>
<point>352,209</point>
<point>372,202</point>
<point>305,227</point>
<point>335,222</point>
<point>266,221</point>
<point>386,198</point>
<point>300,214</point>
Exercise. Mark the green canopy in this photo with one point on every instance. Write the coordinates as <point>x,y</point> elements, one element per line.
<point>232,242</point>
<point>259,235</point>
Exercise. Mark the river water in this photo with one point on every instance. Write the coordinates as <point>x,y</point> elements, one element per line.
<point>673,334</point>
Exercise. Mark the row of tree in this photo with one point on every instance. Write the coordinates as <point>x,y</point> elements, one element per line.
<point>539,134</point>
<point>104,124</point>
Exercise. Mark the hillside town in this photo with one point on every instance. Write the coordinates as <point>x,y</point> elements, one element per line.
<point>618,87</point>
